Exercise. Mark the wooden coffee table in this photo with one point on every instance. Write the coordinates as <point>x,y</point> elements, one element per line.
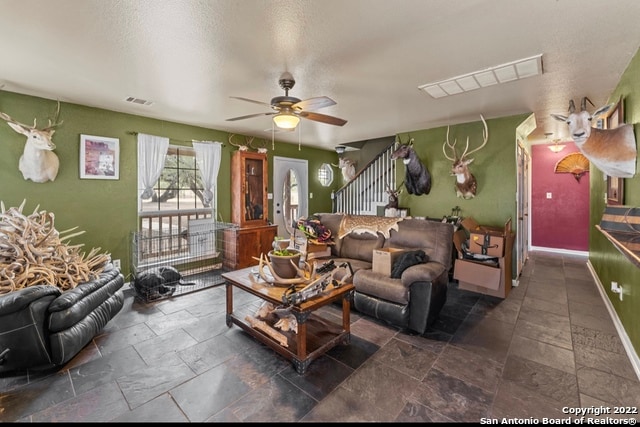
<point>316,334</point>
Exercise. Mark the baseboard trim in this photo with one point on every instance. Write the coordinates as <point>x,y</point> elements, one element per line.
<point>626,342</point>
<point>559,251</point>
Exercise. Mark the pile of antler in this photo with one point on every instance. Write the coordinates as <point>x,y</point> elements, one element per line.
<point>32,252</point>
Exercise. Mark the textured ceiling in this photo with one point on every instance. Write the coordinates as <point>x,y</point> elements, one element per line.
<point>189,57</point>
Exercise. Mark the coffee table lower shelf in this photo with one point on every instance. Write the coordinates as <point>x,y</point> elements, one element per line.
<point>320,337</point>
<point>315,335</point>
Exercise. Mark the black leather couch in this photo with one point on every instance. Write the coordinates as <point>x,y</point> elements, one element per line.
<point>42,327</point>
<point>412,301</point>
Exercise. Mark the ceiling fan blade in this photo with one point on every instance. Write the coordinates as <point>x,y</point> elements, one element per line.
<point>323,118</point>
<point>314,103</point>
<point>251,100</point>
<point>250,116</point>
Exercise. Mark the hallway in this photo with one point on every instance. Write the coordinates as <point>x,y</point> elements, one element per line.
<point>550,345</point>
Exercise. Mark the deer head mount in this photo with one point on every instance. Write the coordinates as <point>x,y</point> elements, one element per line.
<point>393,196</point>
<point>417,178</point>
<point>38,161</point>
<point>466,183</point>
<point>613,151</point>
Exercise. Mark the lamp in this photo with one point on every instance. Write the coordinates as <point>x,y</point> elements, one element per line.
<point>555,147</point>
<point>340,149</point>
<point>286,120</point>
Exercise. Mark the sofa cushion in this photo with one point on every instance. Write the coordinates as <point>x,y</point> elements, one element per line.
<point>381,286</point>
<point>74,305</point>
<point>360,246</point>
<point>433,237</point>
<point>65,344</point>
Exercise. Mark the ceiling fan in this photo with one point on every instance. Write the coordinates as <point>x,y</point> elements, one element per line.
<point>287,110</point>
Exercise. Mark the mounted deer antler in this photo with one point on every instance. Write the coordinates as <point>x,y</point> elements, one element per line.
<point>241,147</point>
<point>613,151</point>
<point>38,161</point>
<point>466,184</point>
<point>262,149</point>
<point>417,178</point>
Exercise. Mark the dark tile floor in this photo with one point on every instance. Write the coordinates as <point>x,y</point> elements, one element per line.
<point>551,344</point>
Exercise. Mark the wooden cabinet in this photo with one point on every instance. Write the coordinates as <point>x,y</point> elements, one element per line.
<point>249,204</point>
<point>242,244</point>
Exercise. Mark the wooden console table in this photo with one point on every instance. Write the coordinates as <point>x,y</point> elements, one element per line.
<point>315,336</point>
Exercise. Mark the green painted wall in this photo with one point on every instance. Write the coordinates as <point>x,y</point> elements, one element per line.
<point>107,210</point>
<point>494,167</point>
<point>608,263</point>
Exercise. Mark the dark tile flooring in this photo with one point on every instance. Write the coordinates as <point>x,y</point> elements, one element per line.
<point>551,344</point>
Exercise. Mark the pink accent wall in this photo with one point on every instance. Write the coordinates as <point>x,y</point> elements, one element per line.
<point>561,222</point>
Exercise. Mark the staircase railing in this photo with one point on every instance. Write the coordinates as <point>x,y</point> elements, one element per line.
<point>368,190</point>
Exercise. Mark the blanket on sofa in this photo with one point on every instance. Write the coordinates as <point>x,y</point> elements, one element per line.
<point>368,224</point>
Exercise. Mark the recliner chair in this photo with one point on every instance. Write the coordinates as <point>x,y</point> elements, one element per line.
<point>42,327</point>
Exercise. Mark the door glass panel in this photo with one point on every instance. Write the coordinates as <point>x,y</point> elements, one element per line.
<point>254,190</point>
<point>290,198</point>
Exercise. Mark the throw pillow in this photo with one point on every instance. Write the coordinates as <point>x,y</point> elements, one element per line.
<point>406,260</point>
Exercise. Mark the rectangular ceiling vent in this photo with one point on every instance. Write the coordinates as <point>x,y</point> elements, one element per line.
<point>502,73</point>
<point>138,101</point>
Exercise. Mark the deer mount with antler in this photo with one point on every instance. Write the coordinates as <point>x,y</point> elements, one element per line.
<point>262,149</point>
<point>466,183</point>
<point>38,161</point>
<point>613,151</point>
<point>393,196</point>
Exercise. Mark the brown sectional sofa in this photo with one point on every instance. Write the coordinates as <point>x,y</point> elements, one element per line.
<point>414,300</point>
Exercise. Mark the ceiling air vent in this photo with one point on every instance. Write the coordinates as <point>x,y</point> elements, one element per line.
<point>503,73</point>
<point>138,101</point>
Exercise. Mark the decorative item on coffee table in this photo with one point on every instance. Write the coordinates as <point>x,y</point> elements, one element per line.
<point>283,262</point>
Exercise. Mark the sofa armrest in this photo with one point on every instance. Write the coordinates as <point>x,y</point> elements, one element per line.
<point>426,272</point>
<point>18,300</point>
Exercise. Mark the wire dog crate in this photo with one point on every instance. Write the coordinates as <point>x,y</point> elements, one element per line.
<point>166,264</point>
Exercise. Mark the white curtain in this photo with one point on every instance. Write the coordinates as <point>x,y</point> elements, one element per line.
<point>208,157</point>
<point>152,151</point>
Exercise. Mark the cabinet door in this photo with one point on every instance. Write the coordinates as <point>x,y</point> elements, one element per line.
<point>267,235</point>
<point>249,189</point>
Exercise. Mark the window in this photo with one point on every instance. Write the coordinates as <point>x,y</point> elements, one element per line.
<point>180,185</point>
<point>177,196</point>
<point>325,175</point>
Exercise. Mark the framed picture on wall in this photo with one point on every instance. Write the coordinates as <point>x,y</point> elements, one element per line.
<point>615,186</point>
<point>99,157</point>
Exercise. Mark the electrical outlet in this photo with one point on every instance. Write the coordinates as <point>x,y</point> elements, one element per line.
<point>116,263</point>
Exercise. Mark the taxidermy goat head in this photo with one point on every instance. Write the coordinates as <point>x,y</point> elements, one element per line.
<point>466,184</point>
<point>613,151</point>
<point>417,178</point>
<point>38,161</point>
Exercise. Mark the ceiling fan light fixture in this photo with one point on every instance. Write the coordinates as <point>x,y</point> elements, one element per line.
<point>286,121</point>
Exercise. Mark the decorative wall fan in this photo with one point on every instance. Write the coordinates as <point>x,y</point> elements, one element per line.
<point>574,163</point>
<point>287,110</point>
